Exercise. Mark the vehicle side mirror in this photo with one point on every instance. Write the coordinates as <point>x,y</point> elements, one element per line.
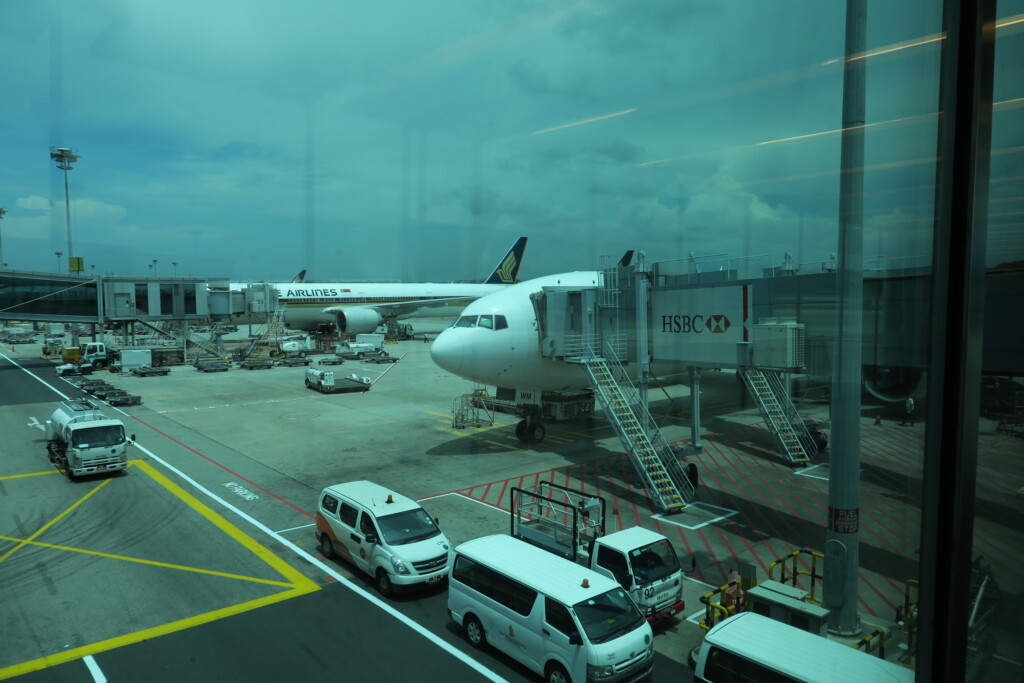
<point>693,565</point>
<point>437,521</point>
<point>575,638</point>
<point>372,538</point>
<point>133,438</point>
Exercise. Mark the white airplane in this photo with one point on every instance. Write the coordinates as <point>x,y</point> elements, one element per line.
<point>361,307</point>
<point>495,343</point>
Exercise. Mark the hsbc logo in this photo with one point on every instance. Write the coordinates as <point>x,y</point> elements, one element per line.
<point>695,324</point>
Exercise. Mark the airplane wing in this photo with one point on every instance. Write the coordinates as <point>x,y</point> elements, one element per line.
<point>391,309</point>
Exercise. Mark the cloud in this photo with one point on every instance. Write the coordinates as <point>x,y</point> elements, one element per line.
<point>34,203</point>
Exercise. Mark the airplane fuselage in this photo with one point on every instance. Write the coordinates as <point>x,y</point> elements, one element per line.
<point>483,351</point>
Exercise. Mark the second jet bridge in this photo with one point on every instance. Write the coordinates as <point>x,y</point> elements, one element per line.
<point>621,330</point>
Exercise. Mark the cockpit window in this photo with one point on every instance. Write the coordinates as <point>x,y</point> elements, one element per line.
<point>490,322</point>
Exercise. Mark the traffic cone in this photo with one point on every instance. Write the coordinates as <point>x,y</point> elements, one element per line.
<point>878,420</point>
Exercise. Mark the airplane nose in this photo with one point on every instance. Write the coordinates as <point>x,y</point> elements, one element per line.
<point>446,351</point>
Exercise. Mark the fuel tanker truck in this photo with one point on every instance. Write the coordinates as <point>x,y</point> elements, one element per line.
<point>80,439</point>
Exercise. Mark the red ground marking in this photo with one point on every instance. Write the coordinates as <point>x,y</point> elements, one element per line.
<point>750,521</point>
<point>711,554</point>
<point>231,472</point>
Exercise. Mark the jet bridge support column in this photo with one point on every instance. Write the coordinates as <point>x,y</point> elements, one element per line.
<point>696,445</point>
<point>641,272</point>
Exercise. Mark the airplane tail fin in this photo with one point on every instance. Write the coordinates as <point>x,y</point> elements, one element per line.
<point>626,259</point>
<point>301,277</point>
<point>507,269</point>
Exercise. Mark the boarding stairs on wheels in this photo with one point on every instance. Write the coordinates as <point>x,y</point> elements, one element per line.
<point>783,420</point>
<point>657,465</point>
<point>273,330</point>
<point>209,343</point>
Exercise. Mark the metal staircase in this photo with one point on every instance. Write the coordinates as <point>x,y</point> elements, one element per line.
<point>795,441</point>
<point>273,329</point>
<point>658,467</point>
<point>209,343</point>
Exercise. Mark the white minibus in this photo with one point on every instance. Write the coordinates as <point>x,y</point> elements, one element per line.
<point>557,618</point>
<point>383,533</point>
<point>751,647</point>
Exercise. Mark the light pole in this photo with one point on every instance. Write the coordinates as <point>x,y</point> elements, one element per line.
<point>65,156</point>
<point>58,254</point>
<point>3,264</point>
<point>174,265</point>
<point>154,266</point>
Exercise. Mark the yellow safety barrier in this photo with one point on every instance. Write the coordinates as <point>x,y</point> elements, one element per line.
<point>866,643</point>
<point>796,572</point>
<point>715,610</point>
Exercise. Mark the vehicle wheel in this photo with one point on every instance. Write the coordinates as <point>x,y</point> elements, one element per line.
<point>384,586</point>
<point>302,354</point>
<point>326,549</point>
<point>474,631</point>
<point>521,430</point>
<point>537,432</point>
<point>556,674</point>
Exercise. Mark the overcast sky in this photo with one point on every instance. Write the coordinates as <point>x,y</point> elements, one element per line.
<point>416,140</point>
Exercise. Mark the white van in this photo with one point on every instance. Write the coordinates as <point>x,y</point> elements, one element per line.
<point>751,647</point>
<point>383,533</point>
<point>557,618</point>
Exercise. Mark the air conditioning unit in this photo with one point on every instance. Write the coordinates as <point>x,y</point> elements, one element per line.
<point>778,343</point>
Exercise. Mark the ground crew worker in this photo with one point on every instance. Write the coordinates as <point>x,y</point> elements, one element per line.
<point>908,412</point>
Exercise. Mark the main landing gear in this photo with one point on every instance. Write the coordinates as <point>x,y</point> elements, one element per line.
<point>531,429</point>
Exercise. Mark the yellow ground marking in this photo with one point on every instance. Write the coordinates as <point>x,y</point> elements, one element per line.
<point>53,521</point>
<point>146,634</point>
<point>497,444</point>
<point>153,563</point>
<point>30,474</point>
<point>299,583</point>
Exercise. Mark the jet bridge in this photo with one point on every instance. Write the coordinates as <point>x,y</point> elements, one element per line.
<point>623,332</point>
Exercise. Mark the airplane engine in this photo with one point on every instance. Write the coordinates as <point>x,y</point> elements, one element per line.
<point>358,320</point>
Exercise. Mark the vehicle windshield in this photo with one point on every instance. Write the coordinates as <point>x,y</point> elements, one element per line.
<point>407,527</point>
<point>608,615</point>
<point>653,562</point>
<point>97,437</point>
<point>466,321</point>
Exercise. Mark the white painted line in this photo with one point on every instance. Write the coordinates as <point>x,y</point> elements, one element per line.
<point>672,520</point>
<point>804,472</point>
<point>295,528</point>
<point>703,583</point>
<point>465,497</point>
<point>94,669</point>
<point>697,617</point>
<point>330,571</point>
<point>35,376</point>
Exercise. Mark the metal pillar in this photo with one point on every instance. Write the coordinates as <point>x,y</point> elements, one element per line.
<point>641,271</point>
<point>696,446</point>
<point>842,549</point>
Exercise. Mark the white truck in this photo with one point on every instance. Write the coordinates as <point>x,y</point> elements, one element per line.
<point>80,439</point>
<point>571,524</point>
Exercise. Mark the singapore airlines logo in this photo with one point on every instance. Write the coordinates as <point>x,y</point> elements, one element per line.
<point>507,268</point>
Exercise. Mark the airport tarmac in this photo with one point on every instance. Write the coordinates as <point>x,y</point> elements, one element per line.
<point>201,561</point>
